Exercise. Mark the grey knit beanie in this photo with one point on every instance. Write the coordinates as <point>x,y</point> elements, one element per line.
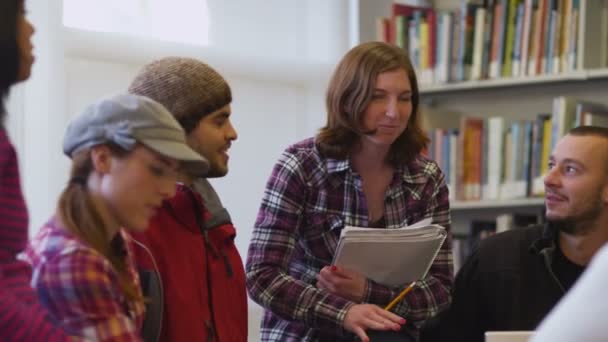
<point>188,88</point>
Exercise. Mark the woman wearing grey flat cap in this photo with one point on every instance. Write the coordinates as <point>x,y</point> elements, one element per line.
<point>127,153</point>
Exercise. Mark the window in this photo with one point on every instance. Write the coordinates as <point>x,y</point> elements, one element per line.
<point>185,21</point>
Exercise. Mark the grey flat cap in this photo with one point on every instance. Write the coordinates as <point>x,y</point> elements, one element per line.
<point>126,120</point>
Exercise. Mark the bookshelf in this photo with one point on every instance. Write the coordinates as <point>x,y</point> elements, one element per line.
<point>527,81</point>
<point>511,98</point>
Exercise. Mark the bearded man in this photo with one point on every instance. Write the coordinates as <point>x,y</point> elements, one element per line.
<point>514,279</point>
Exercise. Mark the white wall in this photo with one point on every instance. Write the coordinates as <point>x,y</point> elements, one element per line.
<point>276,54</point>
<point>311,29</point>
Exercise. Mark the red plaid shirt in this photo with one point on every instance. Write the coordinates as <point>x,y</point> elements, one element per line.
<point>21,316</point>
<point>80,287</point>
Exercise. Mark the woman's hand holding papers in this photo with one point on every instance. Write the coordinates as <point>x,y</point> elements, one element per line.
<point>345,283</point>
<point>361,317</point>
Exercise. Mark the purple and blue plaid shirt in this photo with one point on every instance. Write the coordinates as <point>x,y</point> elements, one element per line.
<point>80,288</point>
<point>307,201</point>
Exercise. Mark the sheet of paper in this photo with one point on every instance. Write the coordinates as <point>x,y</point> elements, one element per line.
<point>392,257</point>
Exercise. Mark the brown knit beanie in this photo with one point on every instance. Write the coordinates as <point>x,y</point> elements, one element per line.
<point>188,88</point>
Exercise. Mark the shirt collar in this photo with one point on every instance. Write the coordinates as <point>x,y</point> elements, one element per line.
<point>337,165</point>
<point>546,241</point>
<point>416,171</point>
<point>412,175</point>
<point>412,172</point>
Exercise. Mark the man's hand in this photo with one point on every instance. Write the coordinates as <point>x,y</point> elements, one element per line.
<point>361,317</point>
<point>347,284</point>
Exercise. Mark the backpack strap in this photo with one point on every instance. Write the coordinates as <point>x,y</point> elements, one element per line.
<point>151,288</point>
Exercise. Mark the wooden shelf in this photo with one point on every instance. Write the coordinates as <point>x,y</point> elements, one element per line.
<point>597,73</point>
<point>491,204</point>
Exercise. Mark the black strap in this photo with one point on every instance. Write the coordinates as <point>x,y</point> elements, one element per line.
<point>150,284</point>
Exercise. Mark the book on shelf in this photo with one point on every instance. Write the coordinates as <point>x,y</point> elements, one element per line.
<point>392,257</point>
<point>590,113</point>
<point>458,31</point>
<point>494,161</point>
<point>498,34</point>
<point>526,35</point>
<point>509,42</point>
<point>383,29</point>
<point>489,39</point>
<point>564,117</point>
<point>499,159</point>
<point>444,48</point>
<point>478,42</point>
<point>517,160</point>
<point>469,158</point>
<point>541,149</point>
<point>540,152</point>
<point>592,37</point>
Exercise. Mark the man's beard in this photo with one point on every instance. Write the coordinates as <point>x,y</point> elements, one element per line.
<point>576,225</point>
<point>216,171</point>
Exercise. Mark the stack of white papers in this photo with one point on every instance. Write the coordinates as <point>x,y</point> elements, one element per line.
<point>393,257</point>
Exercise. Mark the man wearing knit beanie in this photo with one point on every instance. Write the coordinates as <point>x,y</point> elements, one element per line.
<point>191,239</point>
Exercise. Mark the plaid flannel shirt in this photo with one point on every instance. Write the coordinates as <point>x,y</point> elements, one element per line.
<point>307,201</point>
<point>22,318</point>
<point>80,288</point>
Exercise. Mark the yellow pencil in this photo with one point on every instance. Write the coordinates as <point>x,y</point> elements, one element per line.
<point>400,296</point>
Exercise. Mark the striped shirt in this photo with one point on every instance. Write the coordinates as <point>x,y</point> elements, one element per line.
<point>80,287</point>
<point>22,318</point>
<point>307,201</point>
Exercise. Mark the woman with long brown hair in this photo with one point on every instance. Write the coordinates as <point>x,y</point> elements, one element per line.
<point>21,316</point>
<point>127,154</point>
<point>364,168</point>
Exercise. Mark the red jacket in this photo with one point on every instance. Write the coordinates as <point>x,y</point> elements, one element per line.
<point>201,271</point>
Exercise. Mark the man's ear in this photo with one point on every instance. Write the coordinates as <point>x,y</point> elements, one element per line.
<point>604,193</point>
<point>101,158</point>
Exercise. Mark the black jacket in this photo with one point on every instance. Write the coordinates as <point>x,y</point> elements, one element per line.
<point>506,284</point>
